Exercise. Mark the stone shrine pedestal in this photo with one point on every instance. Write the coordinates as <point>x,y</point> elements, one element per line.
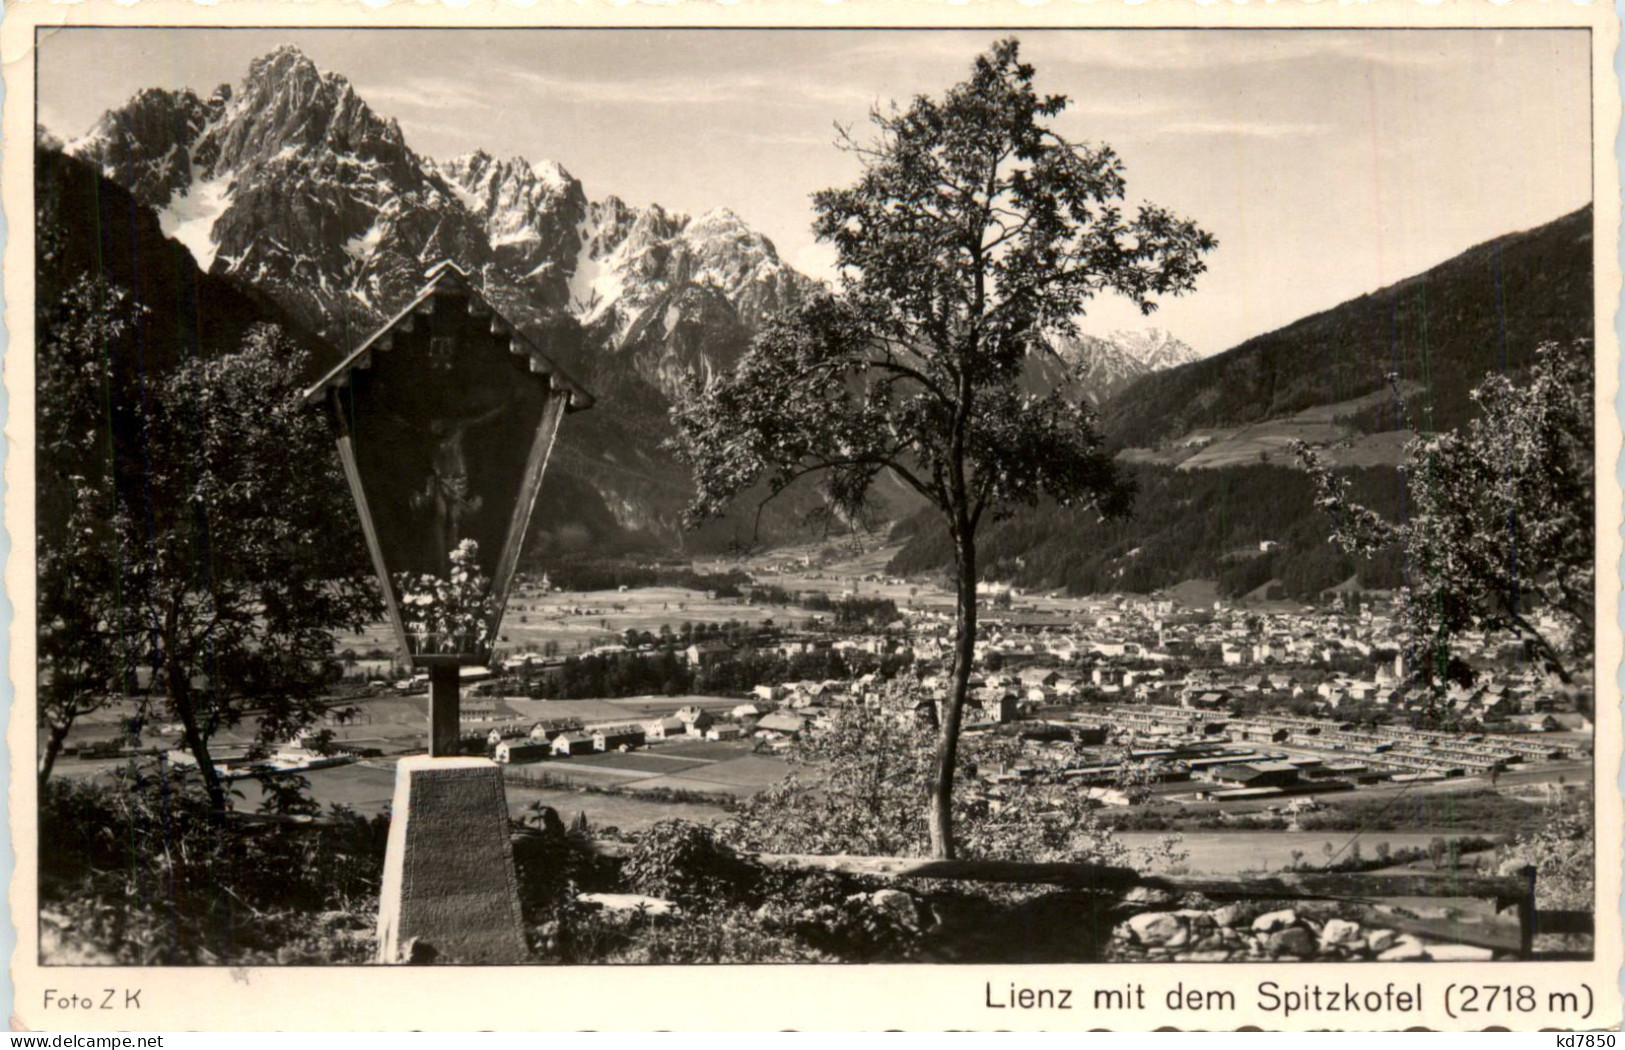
<point>449,882</point>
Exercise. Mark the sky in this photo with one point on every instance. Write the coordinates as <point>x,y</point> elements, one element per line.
<point>1327,163</point>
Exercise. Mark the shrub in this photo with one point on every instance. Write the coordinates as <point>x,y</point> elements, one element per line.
<point>1562,853</point>
<point>553,863</point>
<point>147,873</point>
<point>863,780</point>
<point>727,934</point>
<point>682,861</point>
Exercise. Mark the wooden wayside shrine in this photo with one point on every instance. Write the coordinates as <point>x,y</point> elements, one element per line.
<point>445,420</point>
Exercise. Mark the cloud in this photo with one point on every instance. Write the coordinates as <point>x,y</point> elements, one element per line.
<point>426,93</point>
<point>777,138</point>
<point>953,45</point>
<point>710,88</point>
<point>1097,106</point>
<point>816,260</point>
<point>1159,49</point>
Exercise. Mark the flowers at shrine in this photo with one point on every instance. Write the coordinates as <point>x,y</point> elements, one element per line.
<point>449,614</point>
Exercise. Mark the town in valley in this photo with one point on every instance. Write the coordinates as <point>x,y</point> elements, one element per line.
<point>1243,723</point>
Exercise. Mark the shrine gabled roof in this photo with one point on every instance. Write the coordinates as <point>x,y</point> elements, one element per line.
<point>447,277</point>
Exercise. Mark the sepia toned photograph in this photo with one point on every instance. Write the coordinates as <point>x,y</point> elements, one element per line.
<point>694,496</point>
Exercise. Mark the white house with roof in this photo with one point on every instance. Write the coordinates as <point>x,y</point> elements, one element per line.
<point>664,728</point>
<point>695,717</point>
<point>575,742</point>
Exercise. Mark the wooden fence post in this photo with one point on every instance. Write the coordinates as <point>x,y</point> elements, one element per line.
<point>1526,914</point>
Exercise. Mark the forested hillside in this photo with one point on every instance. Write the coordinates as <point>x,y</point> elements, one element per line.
<point>91,227</point>
<point>1486,309</point>
<point>1185,525</point>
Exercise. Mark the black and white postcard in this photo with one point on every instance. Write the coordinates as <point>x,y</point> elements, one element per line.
<point>1036,517</point>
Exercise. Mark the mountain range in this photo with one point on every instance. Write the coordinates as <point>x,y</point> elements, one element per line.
<point>290,185</point>
<point>1109,364</point>
<point>286,197</point>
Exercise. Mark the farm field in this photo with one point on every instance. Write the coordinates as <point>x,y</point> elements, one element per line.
<point>627,812</point>
<point>631,708</point>
<point>574,621</point>
<point>702,767</point>
<point>397,725</point>
<point>837,568</point>
<point>366,788</point>
<point>1325,427</point>
<point>699,767</point>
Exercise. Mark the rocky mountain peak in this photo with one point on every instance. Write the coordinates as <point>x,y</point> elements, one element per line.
<point>720,219</point>
<point>290,181</point>
<point>286,105</point>
<point>284,65</point>
<point>1156,348</point>
<point>654,285</point>
<point>531,214</point>
<point>552,173</point>
<point>720,232</point>
<point>491,185</point>
<point>145,145</point>
<point>1110,363</point>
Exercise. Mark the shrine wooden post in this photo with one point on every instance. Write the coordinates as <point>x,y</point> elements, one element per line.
<point>445,710</point>
<point>445,420</point>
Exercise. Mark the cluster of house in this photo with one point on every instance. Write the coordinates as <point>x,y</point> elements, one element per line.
<point>1116,647</point>
<point>1224,759</point>
<point>1151,630</point>
<point>713,651</point>
<point>1517,697</point>
<point>563,737</point>
<point>1224,769</point>
<point>1366,754</point>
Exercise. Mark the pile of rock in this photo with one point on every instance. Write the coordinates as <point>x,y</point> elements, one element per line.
<point>1243,933</point>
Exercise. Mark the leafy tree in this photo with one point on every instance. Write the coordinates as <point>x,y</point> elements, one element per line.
<point>145,874</point>
<point>235,555</point>
<point>1499,525</point>
<point>185,525</point>
<point>974,233</point>
<point>84,623</point>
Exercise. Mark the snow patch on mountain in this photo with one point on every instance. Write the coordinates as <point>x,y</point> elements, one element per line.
<point>551,174</point>
<point>362,246</point>
<point>190,218</point>
<point>1155,348</point>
